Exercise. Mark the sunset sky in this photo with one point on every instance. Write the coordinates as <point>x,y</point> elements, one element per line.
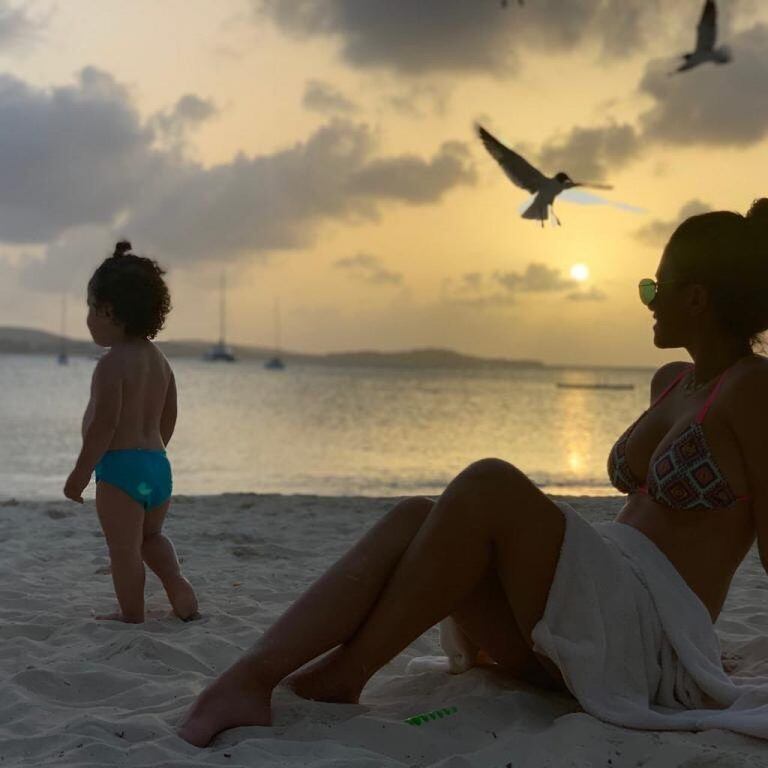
<point>323,154</point>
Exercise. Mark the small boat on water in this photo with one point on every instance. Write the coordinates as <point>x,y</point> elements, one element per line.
<point>569,385</point>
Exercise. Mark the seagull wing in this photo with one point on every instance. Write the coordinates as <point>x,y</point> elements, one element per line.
<point>578,195</point>
<point>517,168</point>
<point>706,32</point>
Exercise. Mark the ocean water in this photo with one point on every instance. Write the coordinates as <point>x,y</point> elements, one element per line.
<point>331,431</point>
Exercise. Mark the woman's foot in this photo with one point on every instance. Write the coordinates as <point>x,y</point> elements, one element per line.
<point>226,703</point>
<point>182,598</point>
<point>326,680</point>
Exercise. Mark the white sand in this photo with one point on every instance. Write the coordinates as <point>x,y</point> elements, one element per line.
<point>76,692</point>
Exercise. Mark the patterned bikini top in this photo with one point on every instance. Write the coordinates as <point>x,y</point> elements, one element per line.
<point>685,475</point>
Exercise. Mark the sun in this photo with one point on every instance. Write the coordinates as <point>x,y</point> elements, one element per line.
<point>580,272</point>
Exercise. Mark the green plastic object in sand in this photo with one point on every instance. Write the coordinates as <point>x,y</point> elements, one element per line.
<point>435,714</point>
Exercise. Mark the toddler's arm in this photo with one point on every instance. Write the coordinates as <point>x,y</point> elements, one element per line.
<point>104,409</point>
<point>168,416</point>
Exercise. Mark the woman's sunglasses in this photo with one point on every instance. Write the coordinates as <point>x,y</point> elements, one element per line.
<point>648,289</point>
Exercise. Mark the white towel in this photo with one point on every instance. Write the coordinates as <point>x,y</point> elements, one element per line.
<point>635,645</point>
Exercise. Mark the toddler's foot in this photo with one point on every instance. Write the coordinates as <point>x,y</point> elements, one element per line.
<point>226,703</point>
<point>182,598</point>
<point>117,616</point>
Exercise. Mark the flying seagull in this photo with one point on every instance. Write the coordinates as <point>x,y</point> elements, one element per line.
<point>706,35</point>
<point>524,175</point>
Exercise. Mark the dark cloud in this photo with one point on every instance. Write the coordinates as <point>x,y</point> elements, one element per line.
<point>369,269</point>
<point>275,201</point>
<point>458,35</point>
<point>413,179</point>
<point>79,156</point>
<point>69,156</point>
<point>711,104</point>
<point>324,98</point>
<point>656,233</point>
<point>590,153</point>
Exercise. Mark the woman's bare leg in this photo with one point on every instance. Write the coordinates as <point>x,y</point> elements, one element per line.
<point>121,519</point>
<point>159,554</point>
<point>489,516</point>
<point>327,614</point>
<point>488,621</point>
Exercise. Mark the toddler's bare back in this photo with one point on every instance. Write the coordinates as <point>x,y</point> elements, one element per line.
<point>144,378</point>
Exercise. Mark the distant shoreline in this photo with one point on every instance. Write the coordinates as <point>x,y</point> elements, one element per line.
<point>29,341</point>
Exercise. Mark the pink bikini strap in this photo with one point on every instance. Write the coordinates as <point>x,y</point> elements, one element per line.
<point>704,408</point>
<point>670,387</point>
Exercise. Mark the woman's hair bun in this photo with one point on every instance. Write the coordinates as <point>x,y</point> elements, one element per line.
<point>758,214</point>
<point>123,246</point>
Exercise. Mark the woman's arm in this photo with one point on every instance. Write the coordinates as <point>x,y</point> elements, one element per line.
<point>750,421</point>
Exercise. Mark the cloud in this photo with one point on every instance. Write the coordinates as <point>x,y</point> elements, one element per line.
<point>710,105</point>
<point>588,294</point>
<point>715,105</point>
<point>16,26</point>
<point>67,264</point>
<point>276,201</point>
<point>369,269</point>
<point>324,98</point>
<point>410,178</point>
<point>190,110</point>
<point>589,153</point>
<point>500,289</point>
<point>79,156</point>
<point>457,35</point>
<point>70,156</point>
<point>656,233</point>
<point>419,99</point>
<point>536,277</point>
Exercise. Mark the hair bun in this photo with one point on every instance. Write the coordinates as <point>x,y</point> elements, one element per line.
<point>758,213</point>
<point>123,246</point>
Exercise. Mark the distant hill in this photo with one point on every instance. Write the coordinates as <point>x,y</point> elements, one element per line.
<point>27,341</point>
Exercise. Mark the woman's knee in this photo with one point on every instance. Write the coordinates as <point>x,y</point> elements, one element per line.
<point>493,473</point>
<point>407,516</point>
<point>414,508</point>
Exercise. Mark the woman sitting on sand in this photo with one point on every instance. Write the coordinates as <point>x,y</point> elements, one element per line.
<point>620,614</point>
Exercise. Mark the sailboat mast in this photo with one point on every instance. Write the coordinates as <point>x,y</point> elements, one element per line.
<point>277,327</point>
<point>221,310</point>
<point>63,324</point>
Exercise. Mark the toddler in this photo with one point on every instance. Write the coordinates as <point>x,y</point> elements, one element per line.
<point>127,425</point>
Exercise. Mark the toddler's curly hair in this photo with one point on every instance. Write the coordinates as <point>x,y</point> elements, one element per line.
<point>134,288</point>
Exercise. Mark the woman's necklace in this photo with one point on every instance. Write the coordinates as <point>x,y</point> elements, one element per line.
<point>691,386</point>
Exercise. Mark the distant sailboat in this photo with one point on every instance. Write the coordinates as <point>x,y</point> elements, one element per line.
<point>275,363</point>
<point>220,351</point>
<point>63,357</point>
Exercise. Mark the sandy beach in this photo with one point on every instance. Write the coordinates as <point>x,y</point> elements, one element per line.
<point>76,692</point>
